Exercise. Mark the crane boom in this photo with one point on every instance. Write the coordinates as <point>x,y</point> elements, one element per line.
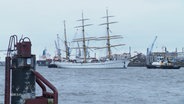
<point>152,45</point>
<point>57,48</point>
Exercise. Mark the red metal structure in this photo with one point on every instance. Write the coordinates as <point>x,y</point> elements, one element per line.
<point>20,76</point>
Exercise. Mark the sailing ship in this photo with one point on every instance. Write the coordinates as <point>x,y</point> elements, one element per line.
<point>109,61</point>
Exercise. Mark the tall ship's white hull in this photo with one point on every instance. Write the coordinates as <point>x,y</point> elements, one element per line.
<point>114,64</point>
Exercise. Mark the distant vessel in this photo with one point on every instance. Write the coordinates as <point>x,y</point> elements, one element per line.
<point>161,60</point>
<point>110,61</point>
<point>44,60</point>
<point>2,63</point>
<point>161,63</point>
<point>2,57</point>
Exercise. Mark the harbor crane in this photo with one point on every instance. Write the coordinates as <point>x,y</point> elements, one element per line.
<point>57,45</point>
<point>152,45</point>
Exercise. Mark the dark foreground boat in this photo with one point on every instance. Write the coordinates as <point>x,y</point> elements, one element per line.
<point>44,62</point>
<point>52,66</point>
<point>163,67</point>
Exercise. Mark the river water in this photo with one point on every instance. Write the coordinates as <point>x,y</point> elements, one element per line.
<point>135,85</point>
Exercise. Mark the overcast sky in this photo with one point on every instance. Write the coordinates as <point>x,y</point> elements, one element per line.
<point>138,21</point>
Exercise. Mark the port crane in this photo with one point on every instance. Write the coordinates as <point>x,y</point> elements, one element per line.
<point>57,45</point>
<point>152,45</point>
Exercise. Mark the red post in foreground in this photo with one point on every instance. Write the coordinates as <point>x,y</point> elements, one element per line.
<point>21,76</point>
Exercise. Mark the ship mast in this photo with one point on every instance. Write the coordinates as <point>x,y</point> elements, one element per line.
<point>66,46</point>
<point>83,36</point>
<point>109,53</point>
<point>57,44</point>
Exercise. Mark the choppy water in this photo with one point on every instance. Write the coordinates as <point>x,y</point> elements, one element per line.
<point>113,86</point>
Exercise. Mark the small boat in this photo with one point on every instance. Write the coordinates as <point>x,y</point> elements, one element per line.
<point>52,65</point>
<point>44,60</point>
<point>163,65</point>
<point>161,60</point>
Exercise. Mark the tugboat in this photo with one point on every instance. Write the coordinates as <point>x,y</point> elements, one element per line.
<point>161,63</point>
<point>161,60</point>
